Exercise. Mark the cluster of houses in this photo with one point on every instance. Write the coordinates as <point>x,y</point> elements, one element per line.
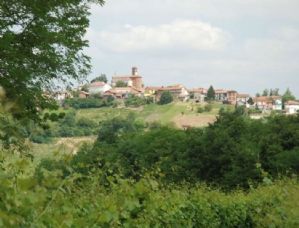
<point>122,87</point>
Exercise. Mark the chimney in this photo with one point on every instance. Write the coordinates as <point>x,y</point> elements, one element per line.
<point>134,71</point>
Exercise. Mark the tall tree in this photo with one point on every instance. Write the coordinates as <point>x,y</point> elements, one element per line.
<point>101,78</point>
<point>288,95</point>
<point>211,94</point>
<point>266,92</point>
<point>41,42</point>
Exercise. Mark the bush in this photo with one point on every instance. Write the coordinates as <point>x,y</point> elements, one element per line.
<point>208,107</point>
<point>166,98</point>
<point>134,101</point>
<point>85,103</point>
<point>200,110</point>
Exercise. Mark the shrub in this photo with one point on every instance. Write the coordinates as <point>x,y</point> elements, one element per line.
<point>166,98</point>
<point>200,110</point>
<point>135,101</point>
<point>208,107</point>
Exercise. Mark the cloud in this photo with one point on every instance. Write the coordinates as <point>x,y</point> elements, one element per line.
<point>180,34</point>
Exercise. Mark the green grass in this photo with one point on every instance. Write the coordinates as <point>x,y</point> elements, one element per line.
<point>101,114</point>
<point>149,113</point>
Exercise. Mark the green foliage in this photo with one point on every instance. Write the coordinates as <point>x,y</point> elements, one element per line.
<point>111,130</point>
<point>41,42</point>
<point>200,109</point>
<point>91,102</point>
<point>288,95</point>
<point>166,98</point>
<point>101,78</point>
<point>250,101</point>
<point>135,101</point>
<point>265,93</point>
<point>211,94</point>
<point>233,152</point>
<point>121,84</point>
<point>53,194</point>
<point>208,108</point>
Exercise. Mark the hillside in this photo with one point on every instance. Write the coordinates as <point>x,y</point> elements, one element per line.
<point>179,114</point>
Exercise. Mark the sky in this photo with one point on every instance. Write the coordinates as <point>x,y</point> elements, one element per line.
<point>245,45</point>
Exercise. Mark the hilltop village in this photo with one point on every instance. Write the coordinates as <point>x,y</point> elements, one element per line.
<point>123,87</point>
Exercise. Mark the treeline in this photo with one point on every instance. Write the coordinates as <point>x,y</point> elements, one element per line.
<point>90,102</point>
<point>63,124</point>
<point>233,152</point>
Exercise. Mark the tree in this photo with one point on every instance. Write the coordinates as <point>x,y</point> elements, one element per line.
<point>121,84</point>
<point>266,93</point>
<point>211,94</point>
<point>101,78</point>
<point>250,101</point>
<point>85,88</point>
<point>41,42</point>
<point>165,98</point>
<point>288,95</point>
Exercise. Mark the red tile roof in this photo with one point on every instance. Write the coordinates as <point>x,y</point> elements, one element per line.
<point>97,84</point>
<point>242,95</point>
<point>292,103</point>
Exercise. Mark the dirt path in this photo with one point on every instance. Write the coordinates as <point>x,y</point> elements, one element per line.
<point>193,120</point>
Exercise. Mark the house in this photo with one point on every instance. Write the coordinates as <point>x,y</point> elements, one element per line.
<point>268,102</point>
<point>198,94</point>
<point>98,87</point>
<point>221,95</point>
<point>83,94</point>
<point>123,92</point>
<point>242,100</point>
<point>232,97</point>
<point>178,92</point>
<point>226,96</point>
<point>134,80</point>
<point>291,107</point>
<point>62,95</point>
<point>151,91</point>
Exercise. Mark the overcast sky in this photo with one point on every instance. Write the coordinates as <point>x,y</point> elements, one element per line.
<point>246,45</point>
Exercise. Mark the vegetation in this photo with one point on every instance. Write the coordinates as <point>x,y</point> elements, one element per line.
<point>166,98</point>
<point>121,84</point>
<point>287,96</point>
<point>90,102</point>
<point>135,101</point>
<point>234,152</point>
<point>41,42</point>
<point>236,172</point>
<point>55,194</point>
<point>211,94</point>
<point>101,78</point>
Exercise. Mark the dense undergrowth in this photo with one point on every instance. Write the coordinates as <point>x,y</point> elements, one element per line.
<point>50,198</point>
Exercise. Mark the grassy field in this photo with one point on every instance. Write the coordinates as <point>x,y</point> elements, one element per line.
<point>59,147</point>
<point>179,114</point>
<point>176,114</point>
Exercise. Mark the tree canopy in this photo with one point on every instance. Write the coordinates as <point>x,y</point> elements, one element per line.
<point>288,95</point>
<point>165,98</point>
<point>211,93</point>
<point>41,43</point>
<point>101,78</point>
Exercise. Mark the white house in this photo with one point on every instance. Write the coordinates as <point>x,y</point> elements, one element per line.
<point>98,87</point>
<point>242,100</point>
<point>62,95</point>
<point>292,107</point>
<point>268,103</point>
